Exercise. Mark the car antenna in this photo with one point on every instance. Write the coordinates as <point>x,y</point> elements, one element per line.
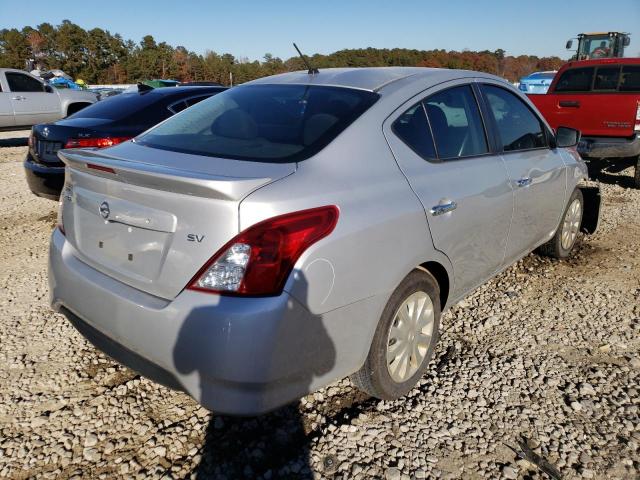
<point>312,70</point>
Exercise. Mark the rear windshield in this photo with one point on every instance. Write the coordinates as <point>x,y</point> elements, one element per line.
<point>119,106</point>
<point>540,76</point>
<point>266,123</point>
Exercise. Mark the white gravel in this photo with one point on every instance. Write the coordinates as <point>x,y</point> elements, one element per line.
<point>548,350</point>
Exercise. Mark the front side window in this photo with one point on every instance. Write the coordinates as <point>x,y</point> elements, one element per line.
<point>19,82</point>
<point>518,127</point>
<point>606,78</point>
<point>575,80</point>
<point>630,80</point>
<point>266,123</point>
<point>456,123</point>
<point>413,129</point>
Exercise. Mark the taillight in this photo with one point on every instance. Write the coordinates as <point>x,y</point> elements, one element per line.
<point>95,142</point>
<point>31,142</point>
<point>101,168</point>
<point>637,127</point>
<point>259,260</point>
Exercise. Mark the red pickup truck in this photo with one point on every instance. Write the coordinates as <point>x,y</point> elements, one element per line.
<point>601,98</point>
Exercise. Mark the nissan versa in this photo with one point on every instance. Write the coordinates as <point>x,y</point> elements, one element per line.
<point>308,226</point>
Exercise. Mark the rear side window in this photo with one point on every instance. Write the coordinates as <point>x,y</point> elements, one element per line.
<point>412,128</point>
<point>18,82</point>
<point>607,78</point>
<point>630,79</point>
<point>576,80</point>
<point>183,104</point>
<point>456,123</point>
<point>266,123</point>
<point>517,125</point>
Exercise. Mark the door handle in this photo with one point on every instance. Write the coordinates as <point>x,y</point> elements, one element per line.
<point>19,97</point>
<point>569,103</point>
<point>443,208</point>
<point>524,182</point>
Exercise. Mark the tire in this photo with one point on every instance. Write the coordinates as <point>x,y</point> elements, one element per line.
<point>636,175</point>
<point>555,247</point>
<point>375,377</point>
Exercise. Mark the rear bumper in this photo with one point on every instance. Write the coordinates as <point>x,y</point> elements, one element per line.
<point>597,147</point>
<point>239,356</point>
<point>43,181</point>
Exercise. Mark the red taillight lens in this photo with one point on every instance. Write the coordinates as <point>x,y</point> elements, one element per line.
<point>101,168</point>
<point>259,260</point>
<point>95,142</point>
<point>31,140</point>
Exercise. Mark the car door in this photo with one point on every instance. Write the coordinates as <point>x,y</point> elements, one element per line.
<point>441,145</point>
<point>6,108</point>
<point>32,104</point>
<point>536,171</point>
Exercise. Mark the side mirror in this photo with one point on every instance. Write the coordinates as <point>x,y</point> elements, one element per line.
<point>569,44</point>
<point>626,41</point>
<point>567,137</point>
<point>48,88</point>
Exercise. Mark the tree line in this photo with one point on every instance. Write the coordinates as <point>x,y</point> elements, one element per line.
<point>98,56</point>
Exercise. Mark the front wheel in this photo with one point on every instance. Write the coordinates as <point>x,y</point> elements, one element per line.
<point>404,339</point>
<point>565,238</point>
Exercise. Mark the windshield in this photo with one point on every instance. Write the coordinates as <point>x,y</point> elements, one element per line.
<point>596,46</point>
<point>268,123</point>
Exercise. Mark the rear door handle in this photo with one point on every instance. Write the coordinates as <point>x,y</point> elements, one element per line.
<point>569,103</point>
<point>524,182</point>
<point>443,208</point>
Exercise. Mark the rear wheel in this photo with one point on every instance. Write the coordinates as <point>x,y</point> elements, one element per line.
<point>404,340</point>
<point>562,243</point>
<point>636,176</point>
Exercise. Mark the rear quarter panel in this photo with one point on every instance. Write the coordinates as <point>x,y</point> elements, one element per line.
<point>381,235</point>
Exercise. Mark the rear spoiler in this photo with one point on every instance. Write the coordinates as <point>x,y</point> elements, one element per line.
<point>160,177</point>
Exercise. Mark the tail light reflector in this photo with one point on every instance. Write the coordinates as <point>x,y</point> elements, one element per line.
<point>258,261</point>
<point>95,142</point>
<point>101,168</point>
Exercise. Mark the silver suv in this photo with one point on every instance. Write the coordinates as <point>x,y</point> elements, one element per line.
<point>306,227</point>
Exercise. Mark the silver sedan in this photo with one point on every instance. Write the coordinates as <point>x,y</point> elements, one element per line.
<point>309,226</point>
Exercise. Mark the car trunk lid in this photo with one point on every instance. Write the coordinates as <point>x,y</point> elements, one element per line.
<point>131,214</point>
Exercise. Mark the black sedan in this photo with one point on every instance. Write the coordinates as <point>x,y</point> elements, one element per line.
<point>103,124</point>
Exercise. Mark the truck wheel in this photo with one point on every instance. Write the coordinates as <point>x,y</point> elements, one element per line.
<point>404,339</point>
<point>636,176</point>
<point>565,238</point>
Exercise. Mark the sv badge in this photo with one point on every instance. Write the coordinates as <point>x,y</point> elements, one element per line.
<point>192,237</point>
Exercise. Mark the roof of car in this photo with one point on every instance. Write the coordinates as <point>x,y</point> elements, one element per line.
<point>367,78</point>
<point>602,61</point>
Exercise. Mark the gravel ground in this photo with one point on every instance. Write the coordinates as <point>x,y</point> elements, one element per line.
<point>548,350</point>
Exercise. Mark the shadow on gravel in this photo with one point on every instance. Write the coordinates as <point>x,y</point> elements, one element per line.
<point>13,142</point>
<point>274,445</point>
<point>609,173</point>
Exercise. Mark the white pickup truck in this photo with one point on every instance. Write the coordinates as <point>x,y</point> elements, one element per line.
<point>26,100</point>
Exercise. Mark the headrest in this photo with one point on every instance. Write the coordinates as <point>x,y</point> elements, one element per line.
<point>316,125</point>
<point>235,123</point>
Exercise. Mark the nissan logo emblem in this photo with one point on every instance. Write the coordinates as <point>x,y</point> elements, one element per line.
<point>104,210</point>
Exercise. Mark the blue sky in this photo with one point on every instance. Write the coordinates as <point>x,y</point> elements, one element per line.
<point>252,28</point>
